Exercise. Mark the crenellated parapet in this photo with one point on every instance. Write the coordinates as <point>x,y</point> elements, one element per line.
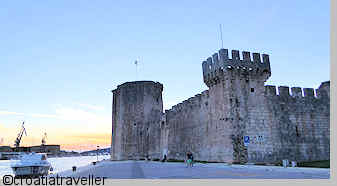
<point>216,66</point>
<point>323,92</point>
<point>189,103</point>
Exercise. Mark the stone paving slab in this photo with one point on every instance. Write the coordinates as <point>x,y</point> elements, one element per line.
<point>173,170</point>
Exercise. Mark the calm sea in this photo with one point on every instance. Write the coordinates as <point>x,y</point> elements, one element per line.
<point>58,164</point>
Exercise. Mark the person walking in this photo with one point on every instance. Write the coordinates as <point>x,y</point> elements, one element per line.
<point>189,160</point>
<point>164,159</point>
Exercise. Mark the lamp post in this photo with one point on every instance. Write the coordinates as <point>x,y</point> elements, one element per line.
<point>97,152</point>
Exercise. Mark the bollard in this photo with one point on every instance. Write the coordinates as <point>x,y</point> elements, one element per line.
<point>293,163</point>
<point>74,168</point>
<point>285,163</point>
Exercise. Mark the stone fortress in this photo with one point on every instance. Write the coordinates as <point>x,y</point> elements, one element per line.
<point>238,119</point>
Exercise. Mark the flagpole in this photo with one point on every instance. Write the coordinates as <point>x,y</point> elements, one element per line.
<point>221,35</point>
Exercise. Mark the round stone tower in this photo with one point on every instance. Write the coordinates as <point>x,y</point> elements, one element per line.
<point>136,113</point>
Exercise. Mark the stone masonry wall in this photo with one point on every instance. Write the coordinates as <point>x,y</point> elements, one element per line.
<point>136,114</point>
<point>299,126</point>
<point>284,126</point>
<point>292,124</point>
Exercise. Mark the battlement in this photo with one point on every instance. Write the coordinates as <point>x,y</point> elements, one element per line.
<point>298,92</point>
<point>323,90</point>
<point>216,65</point>
<point>133,84</point>
<point>189,103</point>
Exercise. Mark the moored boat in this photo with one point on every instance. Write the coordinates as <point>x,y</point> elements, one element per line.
<point>31,165</point>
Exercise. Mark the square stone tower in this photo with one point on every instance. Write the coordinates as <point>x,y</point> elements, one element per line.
<point>236,89</point>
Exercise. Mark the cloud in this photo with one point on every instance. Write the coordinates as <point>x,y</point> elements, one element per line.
<point>23,114</point>
<point>43,116</point>
<point>2,112</point>
<point>82,147</point>
<point>73,114</point>
<point>95,139</point>
<point>84,141</point>
<point>92,107</point>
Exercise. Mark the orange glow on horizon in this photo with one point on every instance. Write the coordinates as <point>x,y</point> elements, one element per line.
<point>68,142</point>
<point>80,142</point>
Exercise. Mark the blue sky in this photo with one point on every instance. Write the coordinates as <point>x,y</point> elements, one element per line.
<point>59,60</point>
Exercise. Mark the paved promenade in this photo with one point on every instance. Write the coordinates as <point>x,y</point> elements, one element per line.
<point>159,170</point>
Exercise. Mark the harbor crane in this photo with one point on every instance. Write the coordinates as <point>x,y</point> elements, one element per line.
<point>18,139</point>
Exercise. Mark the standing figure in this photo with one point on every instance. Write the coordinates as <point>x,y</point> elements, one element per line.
<point>189,160</point>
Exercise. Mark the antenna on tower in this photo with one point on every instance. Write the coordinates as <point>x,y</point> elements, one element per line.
<point>136,63</point>
<point>221,35</point>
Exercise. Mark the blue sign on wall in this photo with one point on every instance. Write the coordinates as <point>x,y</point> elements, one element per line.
<point>246,139</point>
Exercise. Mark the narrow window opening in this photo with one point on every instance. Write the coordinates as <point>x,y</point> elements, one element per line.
<point>251,89</point>
<point>297,134</point>
<point>236,101</point>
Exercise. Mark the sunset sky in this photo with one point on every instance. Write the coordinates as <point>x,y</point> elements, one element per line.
<point>59,60</point>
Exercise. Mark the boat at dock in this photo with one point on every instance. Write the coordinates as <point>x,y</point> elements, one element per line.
<point>31,165</point>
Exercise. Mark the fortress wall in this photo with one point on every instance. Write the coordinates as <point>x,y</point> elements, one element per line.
<point>203,125</point>
<point>116,138</point>
<point>293,124</point>
<point>266,117</point>
<point>229,110</point>
<point>153,110</point>
<point>219,127</point>
<point>290,125</point>
<point>240,105</point>
<point>300,124</point>
<point>223,121</point>
<point>164,132</point>
<point>259,127</point>
<point>187,123</point>
<point>250,113</point>
<point>136,114</point>
<point>253,116</point>
<point>243,93</point>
